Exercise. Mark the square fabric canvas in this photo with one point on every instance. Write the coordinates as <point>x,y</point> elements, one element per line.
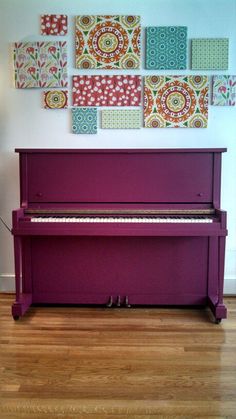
<point>117,119</point>
<point>166,47</point>
<point>176,101</point>
<point>55,99</point>
<point>40,64</point>
<point>210,54</point>
<point>106,90</point>
<point>84,120</point>
<point>110,42</point>
<point>54,25</point>
<point>224,90</point>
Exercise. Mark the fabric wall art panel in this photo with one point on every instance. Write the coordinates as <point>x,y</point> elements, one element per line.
<point>40,64</point>
<point>84,120</point>
<point>116,119</point>
<point>111,42</point>
<point>176,101</point>
<point>166,47</point>
<point>224,90</point>
<point>210,54</point>
<point>55,99</point>
<point>106,90</point>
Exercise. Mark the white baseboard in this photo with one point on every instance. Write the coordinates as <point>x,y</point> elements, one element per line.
<point>7,284</point>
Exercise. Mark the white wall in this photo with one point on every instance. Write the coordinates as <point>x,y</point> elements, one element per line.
<point>23,122</point>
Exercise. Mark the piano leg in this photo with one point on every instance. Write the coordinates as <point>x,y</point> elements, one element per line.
<point>23,300</point>
<point>216,303</point>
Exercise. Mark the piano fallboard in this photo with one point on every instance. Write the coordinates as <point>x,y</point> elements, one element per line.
<point>120,227</point>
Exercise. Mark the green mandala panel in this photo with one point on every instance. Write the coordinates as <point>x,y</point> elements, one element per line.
<point>84,120</point>
<point>166,48</point>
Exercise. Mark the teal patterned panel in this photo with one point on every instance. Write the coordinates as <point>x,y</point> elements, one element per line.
<point>84,120</point>
<point>166,48</point>
<point>210,54</point>
<point>121,119</point>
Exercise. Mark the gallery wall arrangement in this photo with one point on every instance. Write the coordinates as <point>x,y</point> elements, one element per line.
<point>113,43</point>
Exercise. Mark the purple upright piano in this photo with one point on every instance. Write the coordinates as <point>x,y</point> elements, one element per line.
<point>120,228</point>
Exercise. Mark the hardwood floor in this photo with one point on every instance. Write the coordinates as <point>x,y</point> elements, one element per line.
<point>120,363</point>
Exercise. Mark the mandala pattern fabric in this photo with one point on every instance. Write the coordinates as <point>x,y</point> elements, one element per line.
<point>40,64</point>
<point>176,101</point>
<point>166,47</point>
<point>55,99</point>
<point>110,42</point>
<point>84,120</point>
<point>210,54</point>
<point>106,91</point>
<point>121,119</point>
<point>224,90</point>
<point>53,25</point>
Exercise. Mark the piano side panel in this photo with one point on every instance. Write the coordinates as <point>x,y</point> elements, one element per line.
<point>164,270</point>
<point>120,177</point>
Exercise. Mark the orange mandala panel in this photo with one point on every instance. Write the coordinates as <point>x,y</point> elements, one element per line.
<point>55,99</point>
<point>109,42</point>
<point>176,101</point>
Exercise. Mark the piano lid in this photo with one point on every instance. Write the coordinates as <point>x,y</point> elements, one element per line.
<point>148,176</point>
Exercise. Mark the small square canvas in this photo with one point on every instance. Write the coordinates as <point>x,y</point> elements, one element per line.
<point>84,120</point>
<point>40,64</point>
<point>166,47</point>
<point>55,99</point>
<point>224,90</point>
<point>119,119</point>
<point>176,101</point>
<point>106,90</point>
<point>210,54</point>
<point>111,42</point>
<point>54,25</point>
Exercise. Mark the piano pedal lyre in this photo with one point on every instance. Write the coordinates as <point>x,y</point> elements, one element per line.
<point>110,302</point>
<point>118,301</point>
<point>127,304</point>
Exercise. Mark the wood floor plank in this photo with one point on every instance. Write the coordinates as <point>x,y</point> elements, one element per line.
<point>95,363</point>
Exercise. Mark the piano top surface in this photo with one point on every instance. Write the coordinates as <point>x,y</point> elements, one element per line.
<point>115,150</point>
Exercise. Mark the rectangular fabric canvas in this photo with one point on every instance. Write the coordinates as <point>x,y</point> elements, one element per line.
<point>117,119</point>
<point>55,99</point>
<point>166,47</point>
<point>210,54</point>
<point>40,64</point>
<point>84,120</point>
<point>106,90</point>
<point>224,90</point>
<point>54,25</point>
<point>176,101</point>
<point>110,42</point>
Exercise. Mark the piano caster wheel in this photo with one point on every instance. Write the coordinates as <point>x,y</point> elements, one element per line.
<point>118,303</point>
<point>127,304</point>
<point>218,321</point>
<point>110,302</point>
<point>16,317</point>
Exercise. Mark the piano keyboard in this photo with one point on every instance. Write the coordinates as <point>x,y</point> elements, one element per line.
<point>121,220</point>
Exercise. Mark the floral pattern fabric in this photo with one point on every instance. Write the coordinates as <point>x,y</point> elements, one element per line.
<point>53,25</point>
<point>106,90</point>
<point>124,119</point>
<point>224,90</point>
<point>110,42</point>
<point>176,101</point>
<point>40,64</point>
<point>55,99</point>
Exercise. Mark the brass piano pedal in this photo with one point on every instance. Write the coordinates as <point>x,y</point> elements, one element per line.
<point>118,302</point>
<point>110,302</point>
<point>127,304</point>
